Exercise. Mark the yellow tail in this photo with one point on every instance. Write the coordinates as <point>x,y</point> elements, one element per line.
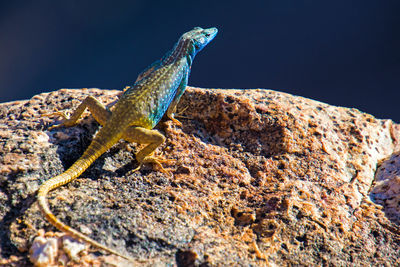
<point>95,150</point>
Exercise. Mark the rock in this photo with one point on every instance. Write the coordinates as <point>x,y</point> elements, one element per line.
<point>386,189</point>
<point>260,178</point>
<point>44,251</point>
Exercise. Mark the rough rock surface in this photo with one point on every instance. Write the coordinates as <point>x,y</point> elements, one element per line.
<point>261,178</point>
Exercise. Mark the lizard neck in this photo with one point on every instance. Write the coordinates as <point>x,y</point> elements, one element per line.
<point>182,49</point>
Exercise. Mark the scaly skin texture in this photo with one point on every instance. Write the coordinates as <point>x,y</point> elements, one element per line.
<point>157,90</point>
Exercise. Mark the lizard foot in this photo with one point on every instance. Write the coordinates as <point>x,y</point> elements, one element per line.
<point>66,120</point>
<point>157,160</point>
<point>179,115</point>
<point>57,113</point>
<point>172,118</point>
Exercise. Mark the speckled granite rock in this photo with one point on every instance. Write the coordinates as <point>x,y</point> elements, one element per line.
<point>261,178</point>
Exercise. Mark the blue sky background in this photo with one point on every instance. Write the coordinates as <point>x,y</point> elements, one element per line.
<point>340,52</point>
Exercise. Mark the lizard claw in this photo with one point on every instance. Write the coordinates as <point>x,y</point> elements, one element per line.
<point>134,170</point>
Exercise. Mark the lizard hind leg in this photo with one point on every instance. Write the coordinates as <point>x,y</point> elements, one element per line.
<point>100,113</point>
<point>153,139</point>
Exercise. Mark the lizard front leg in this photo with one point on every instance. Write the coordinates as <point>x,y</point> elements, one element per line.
<point>172,107</point>
<point>152,138</point>
<point>100,113</point>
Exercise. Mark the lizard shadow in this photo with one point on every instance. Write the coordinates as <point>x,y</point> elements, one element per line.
<point>79,138</point>
<point>70,149</point>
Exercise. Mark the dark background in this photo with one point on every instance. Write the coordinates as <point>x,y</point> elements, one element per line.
<point>342,52</point>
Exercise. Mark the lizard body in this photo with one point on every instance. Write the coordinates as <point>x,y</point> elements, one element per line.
<point>156,91</point>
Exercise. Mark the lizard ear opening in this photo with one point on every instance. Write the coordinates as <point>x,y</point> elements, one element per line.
<point>199,42</point>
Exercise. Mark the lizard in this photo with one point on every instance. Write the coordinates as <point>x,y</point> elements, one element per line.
<point>156,91</point>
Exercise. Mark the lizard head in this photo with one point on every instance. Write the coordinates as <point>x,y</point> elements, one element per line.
<point>198,38</point>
